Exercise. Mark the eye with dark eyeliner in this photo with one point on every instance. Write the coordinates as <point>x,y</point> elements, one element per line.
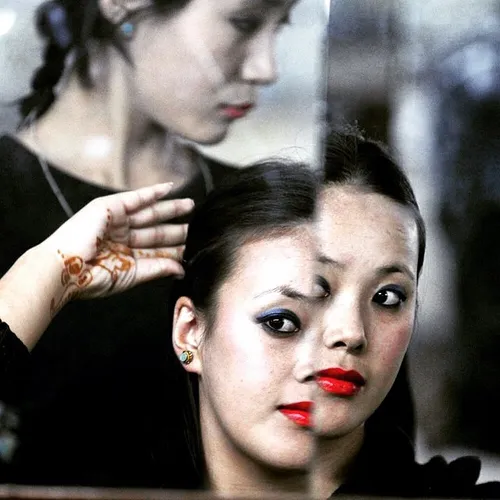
<point>322,287</point>
<point>246,24</point>
<point>279,322</point>
<point>390,297</point>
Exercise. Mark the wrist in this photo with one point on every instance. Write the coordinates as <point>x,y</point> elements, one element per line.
<point>27,291</point>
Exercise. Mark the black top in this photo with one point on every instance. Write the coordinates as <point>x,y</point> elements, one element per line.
<point>386,467</point>
<point>103,388</point>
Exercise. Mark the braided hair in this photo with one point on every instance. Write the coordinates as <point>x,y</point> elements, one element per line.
<point>70,26</point>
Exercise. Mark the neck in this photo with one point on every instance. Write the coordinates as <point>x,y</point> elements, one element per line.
<point>101,137</point>
<point>333,459</point>
<point>231,472</point>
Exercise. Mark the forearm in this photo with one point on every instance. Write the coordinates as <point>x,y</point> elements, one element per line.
<point>28,293</point>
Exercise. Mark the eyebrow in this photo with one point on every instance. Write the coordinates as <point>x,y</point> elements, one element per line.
<point>274,3</point>
<point>270,3</point>
<point>323,259</point>
<point>395,268</point>
<point>289,292</point>
<point>381,271</point>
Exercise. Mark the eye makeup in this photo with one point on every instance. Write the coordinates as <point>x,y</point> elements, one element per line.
<point>279,322</point>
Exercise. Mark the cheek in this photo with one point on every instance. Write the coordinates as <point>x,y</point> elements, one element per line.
<point>394,338</point>
<point>240,353</point>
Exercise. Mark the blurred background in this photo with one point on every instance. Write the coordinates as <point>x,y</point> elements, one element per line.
<point>425,77</point>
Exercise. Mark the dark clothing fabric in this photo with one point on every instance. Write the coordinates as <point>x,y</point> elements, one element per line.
<point>386,467</point>
<point>103,390</point>
<point>14,363</point>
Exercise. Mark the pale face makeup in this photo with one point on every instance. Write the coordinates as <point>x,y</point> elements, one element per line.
<point>256,377</point>
<point>197,71</point>
<point>368,247</point>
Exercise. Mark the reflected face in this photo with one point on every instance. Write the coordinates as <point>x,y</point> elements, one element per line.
<point>368,252</point>
<point>256,377</point>
<point>197,71</point>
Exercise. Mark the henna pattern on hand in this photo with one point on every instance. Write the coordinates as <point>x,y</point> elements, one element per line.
<point>115,258</point>
<point>74,277</point>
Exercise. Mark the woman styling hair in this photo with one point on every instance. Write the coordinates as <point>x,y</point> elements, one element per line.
<point>124,84</point>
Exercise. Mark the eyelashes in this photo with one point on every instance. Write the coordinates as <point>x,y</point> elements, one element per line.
<point>246,25</point>
<point>390,297</point>
<point>279,322</point>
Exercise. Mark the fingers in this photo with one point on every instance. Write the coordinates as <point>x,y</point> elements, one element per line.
<point>121,204</point>
<point>173,253</point>
<point>149,269</point>
<point>161,211</point>
<point>162,235</point>
<point>139,198</point>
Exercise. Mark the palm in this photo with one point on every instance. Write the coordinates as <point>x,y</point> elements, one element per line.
<point>118,241</point>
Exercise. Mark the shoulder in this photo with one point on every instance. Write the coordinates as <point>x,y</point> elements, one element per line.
<point>12,152</point>
<point>387,467</point>
<point>219,169</point>
<point>458,479</point>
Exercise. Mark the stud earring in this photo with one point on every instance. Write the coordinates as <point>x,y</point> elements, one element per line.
<point>127,30</point>
<point>186,357</point>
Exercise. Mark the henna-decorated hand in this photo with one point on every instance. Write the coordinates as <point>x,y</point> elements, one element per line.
<point>118,241</point>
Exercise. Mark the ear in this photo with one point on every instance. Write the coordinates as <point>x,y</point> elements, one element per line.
<point>116,11</point>
<point>187,332</point>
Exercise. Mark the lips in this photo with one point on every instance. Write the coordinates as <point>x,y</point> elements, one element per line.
<point>235,111</point>
<point>340,382</point>
<point>299,413</point>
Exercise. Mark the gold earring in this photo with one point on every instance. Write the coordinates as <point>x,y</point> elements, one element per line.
<point>186,357</point>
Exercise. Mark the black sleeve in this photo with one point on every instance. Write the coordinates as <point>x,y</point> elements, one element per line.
<point>14,360</point>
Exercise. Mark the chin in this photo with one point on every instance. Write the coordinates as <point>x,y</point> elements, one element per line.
<point>209,136</point>
<point>290,460</point>
<point>332,426</point>
<point>289,454</point>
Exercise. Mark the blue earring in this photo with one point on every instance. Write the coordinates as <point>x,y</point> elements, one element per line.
<point>127,29</point>
<point>186,357</point>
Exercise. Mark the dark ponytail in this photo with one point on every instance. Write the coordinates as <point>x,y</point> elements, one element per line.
<point>71,25</point>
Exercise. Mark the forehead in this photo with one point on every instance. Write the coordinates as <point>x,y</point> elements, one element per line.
<point>355,225</point>
<point>275,261</point>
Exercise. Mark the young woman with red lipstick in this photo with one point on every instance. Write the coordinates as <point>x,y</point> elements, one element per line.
<point>247,314</point>
<point>371,242</point>
<point>124,88</point>
<point>244,318</point>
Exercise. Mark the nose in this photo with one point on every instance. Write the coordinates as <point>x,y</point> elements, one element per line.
<point>303,369</point>
<point>344,325</point>
<point>259,66</point>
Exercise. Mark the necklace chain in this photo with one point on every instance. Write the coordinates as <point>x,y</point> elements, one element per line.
<point>55,187</point>
<point>56,190</point>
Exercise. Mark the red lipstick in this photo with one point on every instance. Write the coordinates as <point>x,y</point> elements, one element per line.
<point>299,413</point>
<point>340,382</point>
<point>236,111</point>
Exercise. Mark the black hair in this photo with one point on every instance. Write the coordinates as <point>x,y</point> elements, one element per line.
<point>263,200</point>
<point>271,197</point>
<point>351,159</point>
<point>72,25</point>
